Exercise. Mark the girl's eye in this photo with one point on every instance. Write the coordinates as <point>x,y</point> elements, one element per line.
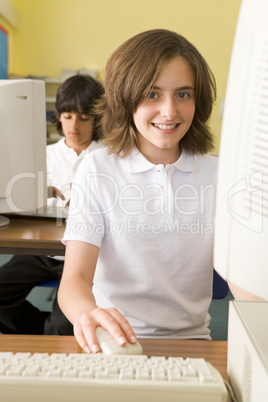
<point>183,95</point>
<point>152,95</point>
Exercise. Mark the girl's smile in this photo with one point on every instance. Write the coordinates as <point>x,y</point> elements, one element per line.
<point>166,127</point>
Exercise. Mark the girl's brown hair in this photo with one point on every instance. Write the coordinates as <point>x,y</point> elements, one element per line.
<point>129,76</point>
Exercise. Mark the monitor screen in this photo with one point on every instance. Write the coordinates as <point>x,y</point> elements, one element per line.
<point>241,222</point>
<point>23,146</point>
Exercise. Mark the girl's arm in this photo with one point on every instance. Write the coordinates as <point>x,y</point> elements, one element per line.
<point>78,304</point>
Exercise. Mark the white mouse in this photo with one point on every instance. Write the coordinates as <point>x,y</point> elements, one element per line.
<point>110,347</point>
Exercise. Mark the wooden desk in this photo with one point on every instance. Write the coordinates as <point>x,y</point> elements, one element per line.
<point>214,352</point>
<point>32,236</point>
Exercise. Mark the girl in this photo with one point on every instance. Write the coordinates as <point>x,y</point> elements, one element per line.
<point>141,218</point>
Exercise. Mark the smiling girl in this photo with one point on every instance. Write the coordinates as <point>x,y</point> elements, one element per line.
<point>142,210</point>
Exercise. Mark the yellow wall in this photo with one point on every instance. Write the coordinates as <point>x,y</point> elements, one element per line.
<point>76,34</point>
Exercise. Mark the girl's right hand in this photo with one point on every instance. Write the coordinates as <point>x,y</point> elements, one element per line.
<point>111,320</point>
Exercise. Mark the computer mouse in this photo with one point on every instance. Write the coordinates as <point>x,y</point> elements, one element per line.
<point>110,347</point>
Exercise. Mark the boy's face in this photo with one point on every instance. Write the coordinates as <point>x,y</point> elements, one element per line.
<point>165,116</point>
<point>78,129</point>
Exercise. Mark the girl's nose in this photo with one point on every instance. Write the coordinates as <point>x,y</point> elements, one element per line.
<point>169,109</point>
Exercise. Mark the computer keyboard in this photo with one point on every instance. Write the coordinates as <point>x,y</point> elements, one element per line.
<point>40,377</point>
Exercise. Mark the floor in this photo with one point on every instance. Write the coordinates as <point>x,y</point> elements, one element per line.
<point>218,310</point>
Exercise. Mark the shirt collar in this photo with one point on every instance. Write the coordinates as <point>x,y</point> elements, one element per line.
<point>184,163</point>
<point>64,146</point>
<point>137,163</point>
<point>92,146</point>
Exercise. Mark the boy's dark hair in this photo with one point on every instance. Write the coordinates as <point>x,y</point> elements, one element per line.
<point>78,94</point>
<point>130,75</point>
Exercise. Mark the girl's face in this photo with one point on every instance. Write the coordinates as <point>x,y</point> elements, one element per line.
<point>165,116</point>
<point>78,129</point>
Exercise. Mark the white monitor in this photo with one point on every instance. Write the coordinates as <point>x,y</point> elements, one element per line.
<point>241,224</point>
<point>23,185</point>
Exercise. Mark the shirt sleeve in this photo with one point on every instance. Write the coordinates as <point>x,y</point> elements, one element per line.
<point>85,220</point>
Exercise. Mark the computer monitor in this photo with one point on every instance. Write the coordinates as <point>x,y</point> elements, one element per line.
<point>23,186</point>
<point>241,223</point>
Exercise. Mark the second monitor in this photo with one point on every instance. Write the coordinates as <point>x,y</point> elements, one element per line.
<point>23,184</point>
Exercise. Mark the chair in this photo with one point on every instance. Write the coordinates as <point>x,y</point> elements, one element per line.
<point>54,283</point>
<point>220,287</point>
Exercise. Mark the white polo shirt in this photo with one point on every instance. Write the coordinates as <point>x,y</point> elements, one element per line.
<point>62,164</point>
<point>154,227</point>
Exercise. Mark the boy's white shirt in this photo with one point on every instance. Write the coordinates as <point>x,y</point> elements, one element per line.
<point>62,164</point>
